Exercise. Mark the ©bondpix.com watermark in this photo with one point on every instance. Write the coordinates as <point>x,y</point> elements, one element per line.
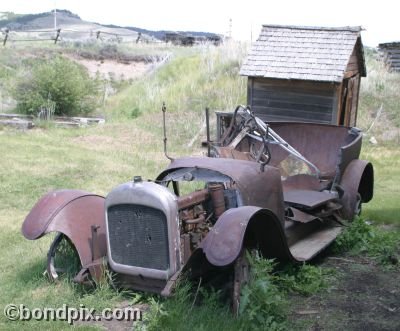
<point>20,312</point>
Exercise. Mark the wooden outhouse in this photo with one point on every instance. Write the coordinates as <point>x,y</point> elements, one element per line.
<point>307,74</point>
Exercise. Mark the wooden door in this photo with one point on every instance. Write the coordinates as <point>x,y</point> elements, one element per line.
<point>349,99</point>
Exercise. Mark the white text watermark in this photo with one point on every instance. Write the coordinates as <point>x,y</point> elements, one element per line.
<point>20,312</point>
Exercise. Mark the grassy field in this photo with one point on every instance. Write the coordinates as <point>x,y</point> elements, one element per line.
<point>130,143</point>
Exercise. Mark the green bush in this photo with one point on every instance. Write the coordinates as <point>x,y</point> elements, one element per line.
<point>361,237</point>
<point>58,81</point>
<point>263,306</point>
<point>305,279</point>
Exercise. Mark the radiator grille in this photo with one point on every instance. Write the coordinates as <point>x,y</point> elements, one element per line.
<point>138,236</point>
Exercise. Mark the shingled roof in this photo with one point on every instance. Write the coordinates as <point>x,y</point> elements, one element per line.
<point>305,53</point>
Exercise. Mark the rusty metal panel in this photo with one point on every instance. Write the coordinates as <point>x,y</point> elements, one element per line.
<point>46,209</point>
<point>225,240</point>
<point>297,215</point>
<point>318,143</point>
<point>73,213</point>
<point>307,198</point>
<point>248,178</point>
<point>192,198</point>
<point>358,178</point>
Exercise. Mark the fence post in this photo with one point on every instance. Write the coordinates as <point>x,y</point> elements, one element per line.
<point>6,36</point>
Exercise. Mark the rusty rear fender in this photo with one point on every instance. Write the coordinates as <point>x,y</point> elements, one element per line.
<point>358,178</point>
<point>247,226</point>
<point>73,213</point>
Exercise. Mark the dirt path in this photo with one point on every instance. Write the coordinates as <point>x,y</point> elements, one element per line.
<point>365,297</point>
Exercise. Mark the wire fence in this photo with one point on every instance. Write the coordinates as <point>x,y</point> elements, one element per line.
<point>11,36</point>
<point>56,35</point>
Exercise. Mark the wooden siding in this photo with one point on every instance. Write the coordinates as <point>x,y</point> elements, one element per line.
<point>353,64</point>
<point>390,54</point>
<point>288,100</point>
<point>354,105</point>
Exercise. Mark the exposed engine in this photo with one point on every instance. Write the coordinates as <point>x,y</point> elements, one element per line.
<point>199,210</point>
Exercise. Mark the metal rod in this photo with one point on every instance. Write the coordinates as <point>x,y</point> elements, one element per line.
<point>164,109</point>
<point>208,131</point>
<point>272,134</point>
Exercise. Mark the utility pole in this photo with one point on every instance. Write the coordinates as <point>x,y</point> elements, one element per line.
<point>230,29</point>
<point>55,15</point>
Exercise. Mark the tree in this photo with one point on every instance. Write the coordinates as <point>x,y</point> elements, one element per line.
<point>61,82</point>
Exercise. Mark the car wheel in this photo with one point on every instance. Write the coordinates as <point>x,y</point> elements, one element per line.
<point>240,279</point>
<point>62,258</point>
<point>358,205</point>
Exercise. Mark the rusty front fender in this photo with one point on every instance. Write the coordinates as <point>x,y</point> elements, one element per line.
<point>245,227</point>
<point>358,178</point>
<point>73,213</point>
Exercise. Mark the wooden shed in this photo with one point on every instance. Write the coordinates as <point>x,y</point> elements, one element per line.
<point>390,53</point>
<point>307,74</point>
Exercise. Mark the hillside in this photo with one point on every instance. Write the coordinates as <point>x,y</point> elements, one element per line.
<point>67,20</point>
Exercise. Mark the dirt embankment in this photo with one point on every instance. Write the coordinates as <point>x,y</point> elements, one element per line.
<point>112,69</point>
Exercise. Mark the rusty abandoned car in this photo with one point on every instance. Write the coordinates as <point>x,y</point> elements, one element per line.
<point>281,188</point>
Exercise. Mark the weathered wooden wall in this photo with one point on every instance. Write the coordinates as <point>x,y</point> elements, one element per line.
<point>291,100</point>
<point>390,53</point>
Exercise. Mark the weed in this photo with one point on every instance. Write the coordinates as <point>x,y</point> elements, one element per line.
<point>179,313</point>
<point>304,279</point>
<point>135,112</point>
<point>362,238</point>
<point>262,303</point>
<point>356,235</point>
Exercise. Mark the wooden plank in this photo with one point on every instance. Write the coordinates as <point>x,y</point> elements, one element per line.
<point>354,105</point>
<point>271,94</point>
<point>272,118</point>
<point>297,88</point>
<point>250,89</point>
<point>295,113</point>
<point>350,74</point>
<point>19,124</point>
<point>352,67</point>
<point>21,116</point>
<point>391,51</point>
<point>310,246</point>
<point>295,85</point>
<point>283,104</point>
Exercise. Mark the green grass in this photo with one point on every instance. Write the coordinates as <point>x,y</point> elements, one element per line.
<point>379,104</point>
<point>384,207</point>
<point>192,80</point>
<point>359,237</point>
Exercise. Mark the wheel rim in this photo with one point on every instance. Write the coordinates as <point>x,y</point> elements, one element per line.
<point>358,205</point>
<point>62,258</point>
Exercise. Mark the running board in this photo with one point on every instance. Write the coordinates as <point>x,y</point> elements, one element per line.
<point>306,248</point>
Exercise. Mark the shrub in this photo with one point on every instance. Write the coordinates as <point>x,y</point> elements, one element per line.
<point>61,81</point>
<point>305,279</point>
<point>361,237</point>
<point>262,304</point>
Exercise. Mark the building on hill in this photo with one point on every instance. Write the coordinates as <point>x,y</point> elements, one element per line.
<point>390,54</point>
